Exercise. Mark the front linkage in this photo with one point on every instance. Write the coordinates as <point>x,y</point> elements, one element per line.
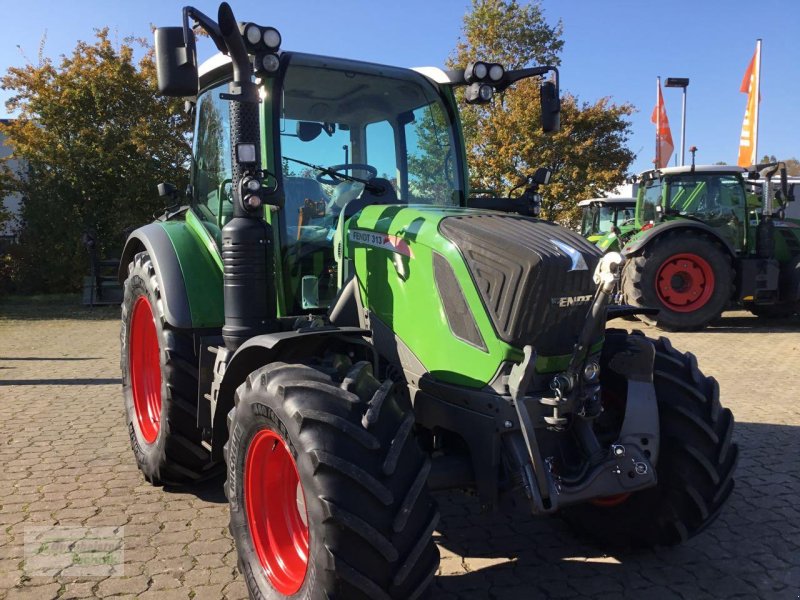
<point>576,393</point>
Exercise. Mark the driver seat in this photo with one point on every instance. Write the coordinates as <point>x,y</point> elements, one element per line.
<point>387,196</point>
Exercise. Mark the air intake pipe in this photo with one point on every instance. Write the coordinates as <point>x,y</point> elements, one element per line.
<point>247,239</point>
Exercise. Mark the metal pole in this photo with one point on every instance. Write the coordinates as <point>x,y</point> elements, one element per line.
<point>658,122</point>
<point>683,127</point>
<point>757,101</point>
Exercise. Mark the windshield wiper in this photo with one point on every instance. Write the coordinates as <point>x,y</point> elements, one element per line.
<point>375,189</point>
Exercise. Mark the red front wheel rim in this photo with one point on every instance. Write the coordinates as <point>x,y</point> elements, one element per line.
<point>276,511</point>
<point>685,282</point>
<point>145,369</point>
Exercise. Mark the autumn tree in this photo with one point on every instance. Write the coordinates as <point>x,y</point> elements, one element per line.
<point>792,164</point>
<point>96,139</point>
<point>504,139</point>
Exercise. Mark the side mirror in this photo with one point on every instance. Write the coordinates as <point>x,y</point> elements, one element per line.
<point>167,190</point>
<point>175,63</point>
<point>551,107</point>
<point>308,130</point>
<point>790,194</point>
<point>542,176</point>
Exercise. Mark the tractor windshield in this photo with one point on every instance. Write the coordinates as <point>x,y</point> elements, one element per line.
<point>705,195</point>
<point>355,131</point>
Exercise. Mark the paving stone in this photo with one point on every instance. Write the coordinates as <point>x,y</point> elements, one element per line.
<point>66,460</point>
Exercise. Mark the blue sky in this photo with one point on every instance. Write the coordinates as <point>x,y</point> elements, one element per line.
<point>613,48</point>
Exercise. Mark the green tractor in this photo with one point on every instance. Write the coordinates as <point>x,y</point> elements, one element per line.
<point>703,243</point>
<point>608,222</point>
<point>344,338</point>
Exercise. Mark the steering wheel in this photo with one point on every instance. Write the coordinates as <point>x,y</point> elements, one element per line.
<point>333,180</point>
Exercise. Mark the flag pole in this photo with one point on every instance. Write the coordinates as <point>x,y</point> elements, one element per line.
<point>658,121</point>
<point>757,101</point>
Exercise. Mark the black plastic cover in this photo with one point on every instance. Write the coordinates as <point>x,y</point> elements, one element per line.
<point>534,277</point>
<point>175,67</point>
<point>456,310</point>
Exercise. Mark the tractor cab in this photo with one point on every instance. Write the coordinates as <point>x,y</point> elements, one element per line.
<point>713,195</point>
<point>340,135</point>
<point>604,220</point>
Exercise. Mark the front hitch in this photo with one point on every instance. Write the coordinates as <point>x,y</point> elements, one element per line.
<point>626,465</point>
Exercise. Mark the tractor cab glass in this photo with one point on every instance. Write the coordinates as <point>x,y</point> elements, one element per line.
<point>650,205</point>
<point>599,219</point>
<point>357,134</point>
<point>716,199</point>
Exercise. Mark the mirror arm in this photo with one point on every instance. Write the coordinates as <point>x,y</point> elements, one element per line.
<point>511,77</point>
<point>207,24</point>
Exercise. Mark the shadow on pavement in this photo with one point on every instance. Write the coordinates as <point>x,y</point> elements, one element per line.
<point>87,381</point>
<point>49,358</point>
<point>751,550</point>
<point>44,311</point>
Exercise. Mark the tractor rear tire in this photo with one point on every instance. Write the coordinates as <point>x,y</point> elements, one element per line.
<point>695,466</point>
<point>159,382</point>
<point>685,275</point>
<point>327,487</point>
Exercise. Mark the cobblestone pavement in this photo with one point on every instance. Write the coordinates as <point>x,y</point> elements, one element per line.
<point>66,461</point>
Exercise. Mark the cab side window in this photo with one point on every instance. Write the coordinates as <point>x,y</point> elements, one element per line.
<point>211,164</point>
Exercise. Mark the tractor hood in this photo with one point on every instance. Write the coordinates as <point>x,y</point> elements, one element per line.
<point>471,288</point>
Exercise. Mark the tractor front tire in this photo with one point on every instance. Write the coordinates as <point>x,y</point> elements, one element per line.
<point>327,487</point>
<point>685,275</point>
<point>695,465</point>
<point>159,382</point>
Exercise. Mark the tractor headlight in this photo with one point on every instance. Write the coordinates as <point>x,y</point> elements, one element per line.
<point>478,93</point>
<point>476,71</point>
<point>496,72</point>
<point>270,63</point>
<point>253,185</point>
<point>252,33</point>
<point>591,372</point>
<point>272,38</point>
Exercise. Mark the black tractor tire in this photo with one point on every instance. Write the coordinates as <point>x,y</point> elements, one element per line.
<point>695,465</point>
<point>369,515</point>
<point>704,269</point>
<point>168,448</point>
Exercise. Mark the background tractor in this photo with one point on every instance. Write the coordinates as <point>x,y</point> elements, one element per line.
<point>341,340</point>
<point>608,222</point>
<point>703,243</point>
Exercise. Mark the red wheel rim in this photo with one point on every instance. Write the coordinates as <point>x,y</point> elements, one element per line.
<point>685,282</point>
<point>145,369</point>
<point>276,511</point>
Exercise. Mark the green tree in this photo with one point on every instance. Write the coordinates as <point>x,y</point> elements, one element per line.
<point>792,164</point>
<point>504,139</point>
<point>96,140</point>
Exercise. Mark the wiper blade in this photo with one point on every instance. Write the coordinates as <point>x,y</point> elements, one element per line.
<point>376,189</point>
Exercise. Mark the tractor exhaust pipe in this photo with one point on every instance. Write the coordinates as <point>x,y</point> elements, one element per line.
<point>247,239</point>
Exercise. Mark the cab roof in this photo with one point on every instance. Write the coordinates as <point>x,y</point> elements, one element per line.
<point>697,169</point>
<point>614,201</point>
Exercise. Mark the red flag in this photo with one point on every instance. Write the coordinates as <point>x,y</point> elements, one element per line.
<point>664,145</point>
<point>748,140</point>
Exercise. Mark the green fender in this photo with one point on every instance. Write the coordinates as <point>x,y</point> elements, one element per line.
<point>188,269</point>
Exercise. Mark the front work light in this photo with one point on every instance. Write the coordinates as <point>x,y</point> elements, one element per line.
<point>270,63</point>
<point>272,38</point>
<point>252,33</point>
<point>496,72</point>
<point>478,93</point>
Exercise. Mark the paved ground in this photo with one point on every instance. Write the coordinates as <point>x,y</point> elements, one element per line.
<point>65,461</point>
